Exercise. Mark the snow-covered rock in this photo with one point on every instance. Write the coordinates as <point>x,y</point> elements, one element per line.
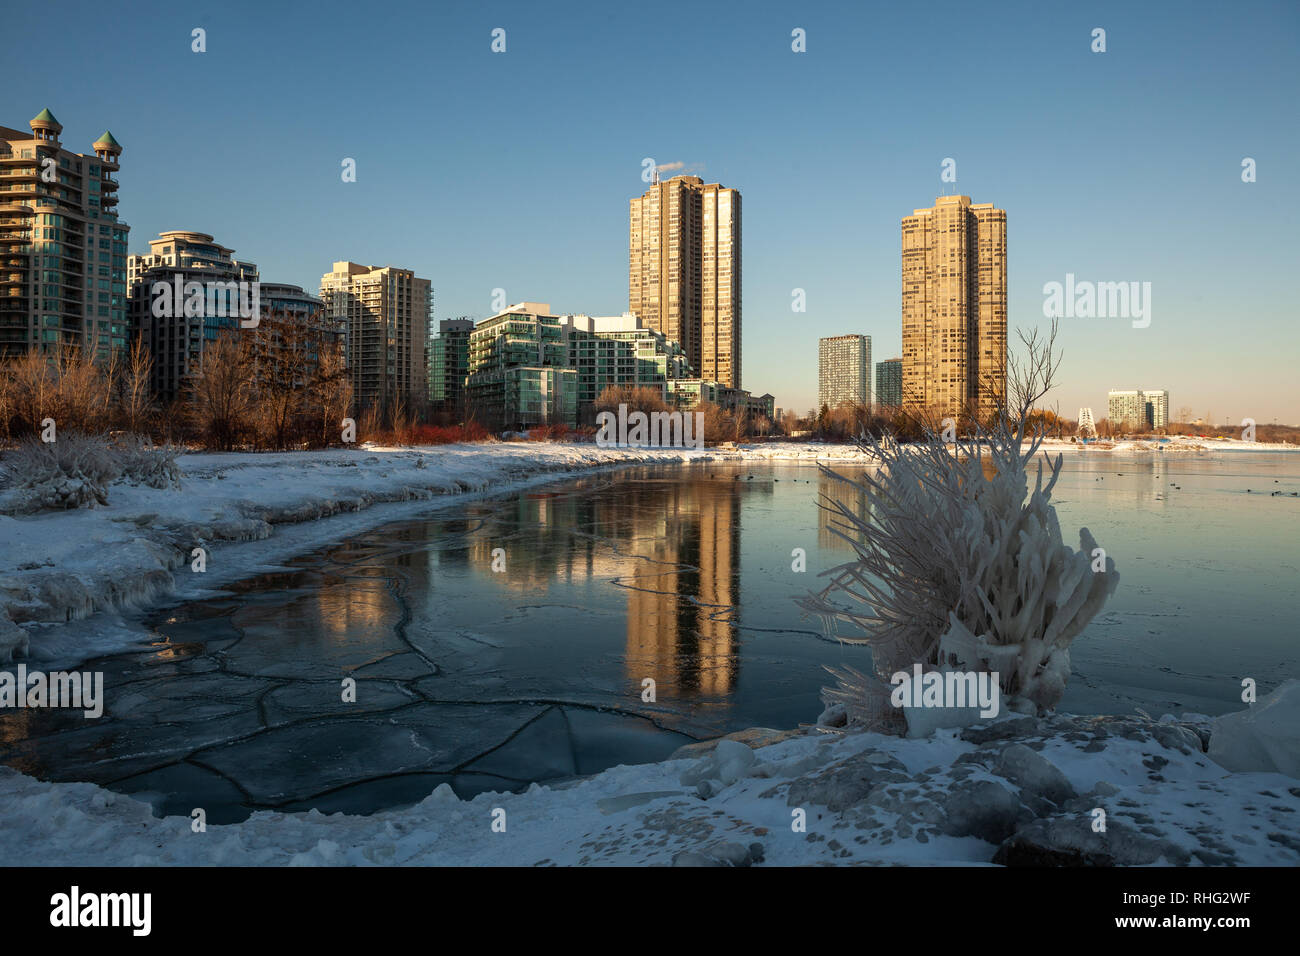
<point>1265,737</point>
<point>1071,841</point>
<point>924,721</point>
<point>13,640</point>
<point>846,783</point>
<point>1033,772</point>
<point>982,809</point>
<point>721,854</point>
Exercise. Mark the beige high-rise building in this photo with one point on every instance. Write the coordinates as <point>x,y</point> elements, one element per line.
<point>684,276</point>
<point>62,247</point>
<point>177,338</point>
<point>955,307</point>
<point>385,313</point>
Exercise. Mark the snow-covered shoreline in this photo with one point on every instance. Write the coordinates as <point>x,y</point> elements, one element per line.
<point>1018,791</point>
<point>1176,444</point>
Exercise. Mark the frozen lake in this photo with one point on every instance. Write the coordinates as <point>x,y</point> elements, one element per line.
<point>496,643</point>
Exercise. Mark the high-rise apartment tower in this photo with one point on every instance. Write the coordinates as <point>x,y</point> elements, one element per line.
<point>684,273</point>
<point>955,308</point>
<point>385,313</point>
<point>62,248</point>
<point>844,371</point>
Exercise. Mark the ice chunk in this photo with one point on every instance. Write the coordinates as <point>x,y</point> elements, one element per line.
<point>1265,737</point>
<point>924,721</point>
<point>729,762</point>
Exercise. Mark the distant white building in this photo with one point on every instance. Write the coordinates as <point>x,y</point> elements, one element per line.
<point>1138,408</point>
<point>844,370</point>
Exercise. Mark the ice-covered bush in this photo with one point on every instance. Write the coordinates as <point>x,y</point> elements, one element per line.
<point>144,463</point>
<point>72,472</point>
<point>76,470</point>
<point>959,566</point>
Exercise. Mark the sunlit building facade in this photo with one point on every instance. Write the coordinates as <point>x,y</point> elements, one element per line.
<point>62,247</point>
<point>844,371</point>
<point>955,307</point>
<point>684,273</point>
<point>384,312</point>
<point>1137,408</point>
<point>619,351</point>
<point>519,374</point>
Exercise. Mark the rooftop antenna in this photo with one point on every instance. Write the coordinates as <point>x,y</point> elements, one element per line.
<point>654,176</point>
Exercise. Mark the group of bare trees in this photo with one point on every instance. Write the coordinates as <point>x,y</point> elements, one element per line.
<point>280,385</point>
<point>76,393</point>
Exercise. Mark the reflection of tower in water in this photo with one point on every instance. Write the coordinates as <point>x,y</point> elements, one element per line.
<point>681,602</point>
<point>673,546</point>
<point>831,489</point>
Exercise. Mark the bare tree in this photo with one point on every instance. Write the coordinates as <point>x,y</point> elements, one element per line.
<point>222,396</point>
<point>332,392</point>
<point>1030,376</point>
<point>134,389</point>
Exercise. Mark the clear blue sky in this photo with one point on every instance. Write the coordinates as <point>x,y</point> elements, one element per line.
<point>513,170</point>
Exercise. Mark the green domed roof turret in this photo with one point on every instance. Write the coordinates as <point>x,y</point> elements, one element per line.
<point>45,119</point>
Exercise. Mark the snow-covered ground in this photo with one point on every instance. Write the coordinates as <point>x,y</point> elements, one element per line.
<point>1176,444</point>
<point>1019,790</point>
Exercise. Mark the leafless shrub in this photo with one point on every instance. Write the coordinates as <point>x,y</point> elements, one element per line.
<point>141,462</point>
<point>73,472</point>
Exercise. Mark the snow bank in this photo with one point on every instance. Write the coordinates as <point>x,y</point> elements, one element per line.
<point>1176,444</point>
<point>1022,790</point>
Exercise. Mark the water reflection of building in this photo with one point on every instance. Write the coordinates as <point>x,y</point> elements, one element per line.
<point>831,491</point>
<point>673,546</point>
<point>682,602</point>
<point>344,609</point>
